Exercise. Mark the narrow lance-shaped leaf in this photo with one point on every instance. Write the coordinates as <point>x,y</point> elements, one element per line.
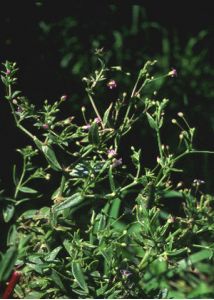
<point>8,212</point>
<point>79,276</point>
<point>27,190</point>
<point>106,114</point>
<point>69,202</point>
<point>51,157</point>
<point>93,135</point>
<point>7,263</point>
<point>151,121</point>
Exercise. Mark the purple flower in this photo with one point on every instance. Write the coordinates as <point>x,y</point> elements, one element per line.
<point>117,162</point>
<point>63,97</point>
<point>112,84</point>
<point>111,153</point>
<point>97,120</point>
<point>86,127</point>
<point>173,73</point>
<point>45,126</point>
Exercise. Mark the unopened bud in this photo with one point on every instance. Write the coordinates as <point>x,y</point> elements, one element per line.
<point>180,114</point>
<point>64,97</point>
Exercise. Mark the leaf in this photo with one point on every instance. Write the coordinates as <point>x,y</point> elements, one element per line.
<point>8,212</point>
<point>106,114</point>
<point>7,263</point>
<point>114,210</point>
<point>56,278</point>
<point>15,94</point>
<point>51,158</point>
<point>171,194</point>
<point>27,190</point>
<point>15,180</point>
<point>69,202</point>
<point>12,236</point>
<point>79,276</point>
<point>111,179</point>
<point>151,121</point>
<point>34,295</point>
<point>93,135</point>
<point>51,256</point>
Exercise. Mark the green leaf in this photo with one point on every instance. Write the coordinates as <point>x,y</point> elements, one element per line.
<point>15,94</point>
<point>15,179</point>
<point>79,276</point>
<point>51,158</point>
<point>69,202</point>
<point>12,236</point>
<point>27,190</point>
<point>34,295</point>
<point>7,263</point>
<point>171,194</point>
<point>53,254</point>
<point>56,278</point>
<point>111,179</point>
<point>114,210</point>
<point>8,212</point>
<point>151,121</point>
<point>106,114</point>
<point>93,135</point>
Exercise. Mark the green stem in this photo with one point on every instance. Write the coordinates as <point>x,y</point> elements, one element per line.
<point>159,144</point>
<point>192,152</point>
<point>128,186</point>
<point>21,179</point>
<point>96,110</point>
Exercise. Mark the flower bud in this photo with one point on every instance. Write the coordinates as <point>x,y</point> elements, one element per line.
<point>180,114</point>
<point>63,97</point>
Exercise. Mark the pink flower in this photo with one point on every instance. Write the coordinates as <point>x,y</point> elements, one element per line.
<point>111,153</point>
<point>63,97</point>
<point>45,126</point>
<point>86,127</point>
<point>173,73</point>
<point>7,72</point>
<point>97,120</point>
<point>112,84</point>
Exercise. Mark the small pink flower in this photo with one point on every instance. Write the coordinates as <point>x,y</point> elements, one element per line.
<point>86,127</point>
<point>97,120</point>
<point>173,73</point>
<point>63,97</point>
<point>111,153</point>
<point>45,126</point>
<point>112,84</point>
<point>7,72</point>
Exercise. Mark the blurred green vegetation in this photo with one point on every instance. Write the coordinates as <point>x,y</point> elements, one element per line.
<point>130,42</point>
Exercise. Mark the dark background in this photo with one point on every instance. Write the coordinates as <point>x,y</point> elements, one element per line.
<point>37,37</point>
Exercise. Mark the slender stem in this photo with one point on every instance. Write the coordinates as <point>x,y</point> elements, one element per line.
<point>21,179</point>
<point>192,152</point>
<point>159,144</point>
<point>128,186</point>
<point>96,110</point>
<point>135,86</point>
